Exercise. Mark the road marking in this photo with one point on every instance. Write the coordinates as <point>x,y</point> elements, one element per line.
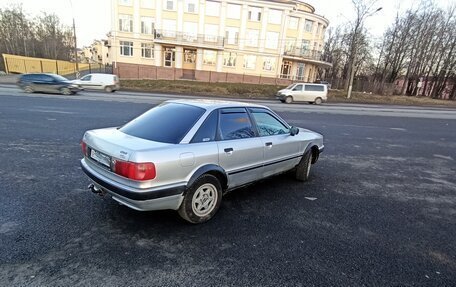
<point>398,129</point>
<point>48,111</point>
<point>443,157</point>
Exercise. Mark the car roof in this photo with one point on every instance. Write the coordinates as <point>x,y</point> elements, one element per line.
<point>215,104</point>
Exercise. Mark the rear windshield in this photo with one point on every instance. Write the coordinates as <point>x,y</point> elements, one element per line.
<point>166,123</point>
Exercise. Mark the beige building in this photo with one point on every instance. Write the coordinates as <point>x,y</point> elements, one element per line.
<point>96,53</point>
<point>277,38</point>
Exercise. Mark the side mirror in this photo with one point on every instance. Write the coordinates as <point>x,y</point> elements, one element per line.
<point>294,131</point>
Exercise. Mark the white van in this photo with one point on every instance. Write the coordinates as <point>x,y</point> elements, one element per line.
<point>303,92</point>
<point>107,82</point>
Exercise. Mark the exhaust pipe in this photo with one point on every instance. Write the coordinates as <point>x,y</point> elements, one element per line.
<point>96,190</point>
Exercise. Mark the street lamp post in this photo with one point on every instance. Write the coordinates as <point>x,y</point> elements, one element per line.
<point>354,48</point>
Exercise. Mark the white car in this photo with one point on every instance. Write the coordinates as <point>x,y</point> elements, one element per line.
<point>303,92</point>
<point>107,82</point>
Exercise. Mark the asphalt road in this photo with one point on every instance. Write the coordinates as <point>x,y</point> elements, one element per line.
<point>379,210</point>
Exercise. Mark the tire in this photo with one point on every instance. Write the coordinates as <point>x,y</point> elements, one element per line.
<point>318,101</point>
<point>289,100</point>
<point>304,166</point>
<point>28,89</point>
<point>206,190</point>
<point>108,89</point>
<point>66,91</point>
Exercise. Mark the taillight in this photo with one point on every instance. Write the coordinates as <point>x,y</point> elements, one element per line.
<point>135,171</point>
<point>84,149</point>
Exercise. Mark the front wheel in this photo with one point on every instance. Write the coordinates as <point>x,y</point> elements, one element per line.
<point>304,166</point>
<point>108,89</point>
<point>28,89</point>
<point>202,200</point>
<point>66,91</point>
<point>289,100</point>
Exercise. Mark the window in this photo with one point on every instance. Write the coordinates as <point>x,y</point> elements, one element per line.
<point>269,64</point>
<point>229,59</point>
<point>293,23</point>
<point>208,130</point>
<point>147,25</point>
<point>125,2</point>
<point>166,123</point>
<point>125,23</point>
<point>233,11</point>
<point>209,57</point>
<point>212,8</point>
<point>147,50</point>
<point>190,31</point>
<point>272,40</point>
<point>210,32</point>
<point>267,124</point>
<point>232,35</point>
<point>289,45</point>
<point>189,56</point>
<point>252,38</point>
<point>169,5</point>
<point>249,61</point>
<point>297,88</point>
<point>148,4</point>
<point>318,29</point>
<point>255,14</point>
<point>126,48</point>
<point>86,78</point>
<point>309,26</point>
<point>235,124</point>
<point>191,6</point>
<point>314,88</point>
<point>169,28</point>
<point>275,17</point>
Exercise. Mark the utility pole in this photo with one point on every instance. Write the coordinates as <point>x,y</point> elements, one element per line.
<point>76,58</point>
<point>354,48</point>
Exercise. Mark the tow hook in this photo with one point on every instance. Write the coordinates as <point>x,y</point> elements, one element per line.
<point>96,190</point>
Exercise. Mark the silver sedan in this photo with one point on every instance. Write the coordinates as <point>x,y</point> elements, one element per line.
<point>184,155</point>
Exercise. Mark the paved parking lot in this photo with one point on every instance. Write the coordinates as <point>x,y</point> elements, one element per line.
<point>380,209</point>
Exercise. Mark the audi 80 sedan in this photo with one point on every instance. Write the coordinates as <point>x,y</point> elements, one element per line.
<point>185,154</point>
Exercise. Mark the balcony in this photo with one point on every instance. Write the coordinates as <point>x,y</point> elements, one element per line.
<point>189,39</point>
<point>313,56</point>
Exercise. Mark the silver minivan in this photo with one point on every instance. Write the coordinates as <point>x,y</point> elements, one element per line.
<point>304,92</point>
<point>107,82</point>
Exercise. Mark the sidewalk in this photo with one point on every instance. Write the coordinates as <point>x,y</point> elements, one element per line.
<point>8,79</point>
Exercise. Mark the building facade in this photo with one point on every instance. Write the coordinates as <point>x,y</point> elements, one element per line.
<point>275,39</point>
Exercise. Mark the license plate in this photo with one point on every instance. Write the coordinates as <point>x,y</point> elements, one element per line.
<point>100,158</point>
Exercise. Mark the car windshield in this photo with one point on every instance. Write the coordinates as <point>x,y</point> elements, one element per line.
<point>290,86</point>
<point>166,123</point>
<point>59,78</point>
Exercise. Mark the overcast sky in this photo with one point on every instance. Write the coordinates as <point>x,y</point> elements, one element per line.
<point>93,16</point>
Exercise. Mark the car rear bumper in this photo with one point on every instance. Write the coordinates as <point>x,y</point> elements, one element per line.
<point>138,199</point>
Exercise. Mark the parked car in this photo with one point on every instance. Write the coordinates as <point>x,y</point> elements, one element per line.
<point>185,154</point>
<point>47,83</point>
<point>303,92</point>
<point>328,84</point>
<point>106,82</point>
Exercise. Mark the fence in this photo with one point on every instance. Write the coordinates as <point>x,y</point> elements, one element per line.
<point>364,85</point>
<point>21,65</point>
<point>147,72</point>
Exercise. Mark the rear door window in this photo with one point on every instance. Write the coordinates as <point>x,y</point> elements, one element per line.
<point>235,124</point>
<point>315,88</point>
<point>166,123</point>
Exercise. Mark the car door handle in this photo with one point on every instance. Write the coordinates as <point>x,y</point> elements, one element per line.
<point>268,144</point>
<point>229,150</point>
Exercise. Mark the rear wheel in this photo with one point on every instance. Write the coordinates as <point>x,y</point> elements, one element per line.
<point>66,91</point>
<point>289,99</point>
<point>318,101</point>
<point>304,166</point>
<point>202,200</point>
<point>108,89</point>
<point>28,89</point>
